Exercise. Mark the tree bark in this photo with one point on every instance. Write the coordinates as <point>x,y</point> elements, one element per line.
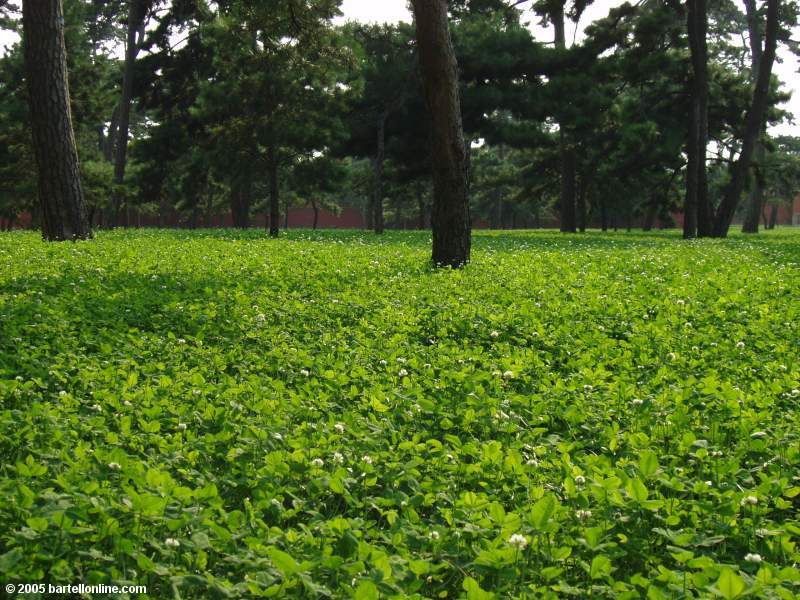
<point>697,211</point>
<point>315,207</point>
<point>241,192</point>
<point>756,199</point>
<point>773,216</point>
<point>582,213</point>
<point>753,126</point>
<point>377,173</point>
<point>450,221</point>
<point>59,183</point>
<point>274,193</point>
<point>135,33</point>
<point>421,206</point>
<point>565,150</point>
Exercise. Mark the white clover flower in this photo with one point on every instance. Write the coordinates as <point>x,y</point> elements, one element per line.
<point>97,408</point>
<point>62,393</point>
<point>304,372</point>
<point>339,427</point>
<point>508,375</point>
<point>317,462</point>
<point>127,403</point>
<point>519,541</point>
<point>338,458</point>
<point>367,459</point>
<point>584,514</point>
<point>580,479</point>
<point>182,426</point>
<point>751,500</point>
<point>532,462</point>
<point>637,401</point>
<point>588,388</point>
<point>740,345</point>
<point>752,558</point>
<point>494,335</point>
<point>680,302</point>
<point>383,363</point>
<point>709,483</point>
<point>402,372</point>
<point>434,535</point>
<point>114,466</point>
<point>180,341</point>
<point>672,356</point>
<point>171,543</point>
<point>795,392</point>
<point>761,532</point>
<point>401,360</point>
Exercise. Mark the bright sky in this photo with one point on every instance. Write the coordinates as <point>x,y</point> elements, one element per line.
<point>397,10</point>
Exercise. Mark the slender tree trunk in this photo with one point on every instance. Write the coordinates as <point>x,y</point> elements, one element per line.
<point>697,211</point>
<point>135,32</point>
<point>773,216</point>
<point>650,217</point>
<point>274,193</point>
<point>582,214</point>
<point>421,206</point>
<point>316,213</point>
<point>377,173</point>
<point>59,183</point>
<point>565,150</point>
<point>450,221</point>
<point>753,126</point>
<point>603,215</point>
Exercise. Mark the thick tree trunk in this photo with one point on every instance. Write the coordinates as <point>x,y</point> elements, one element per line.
<point>756,199</point>
<point>450,221</point>
<point>753,126</point>
<point>565,150</point>
<point>274,193</point>
<point>697,210</point>
<point>377,173</point>
<point>59,183</point>
<point>135,32</point>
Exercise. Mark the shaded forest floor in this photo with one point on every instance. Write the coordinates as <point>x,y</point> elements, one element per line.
<point>216,412</point>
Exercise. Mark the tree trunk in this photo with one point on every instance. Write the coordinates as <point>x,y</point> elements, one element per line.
<point>603,215</point>
<point>582,213</point>
<point>316,213</point>
<point>135,33</point>
<point>59,183</point>
<point>753,126</point>
<point>421,206</point>
<point>450,221</point>
<point>697,211</point>
<point>773,216</point>
<point>241,193</point>
<point>274,194</point>
<point>650,217</point>
<point>377,168</point>
<point>565,151</point>
<point>756,200</point>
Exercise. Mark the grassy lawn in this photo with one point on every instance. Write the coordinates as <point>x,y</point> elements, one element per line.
<point>219,414</point>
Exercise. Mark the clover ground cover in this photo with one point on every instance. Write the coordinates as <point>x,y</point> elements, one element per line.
<point>219,414</point>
